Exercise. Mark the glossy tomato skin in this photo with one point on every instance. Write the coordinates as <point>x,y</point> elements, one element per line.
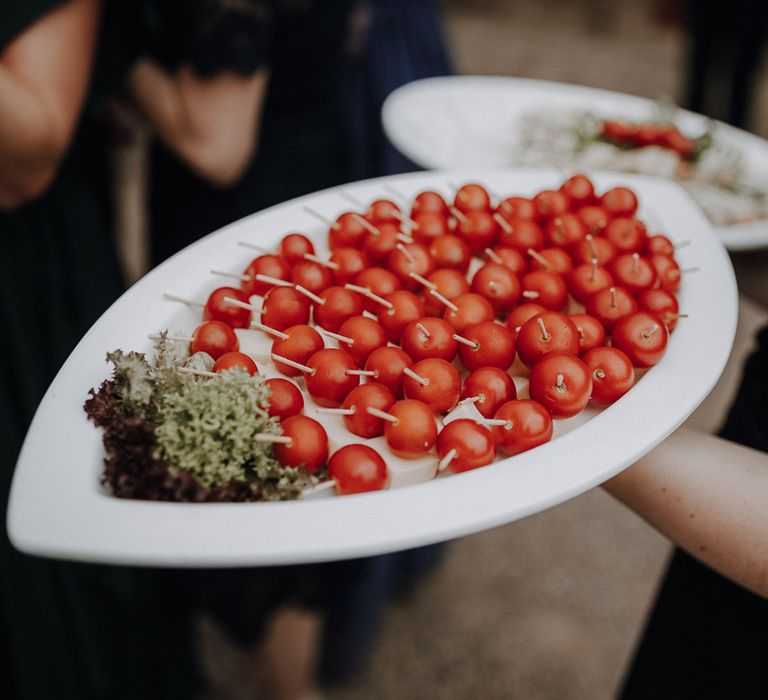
<point>612,374</point>
<point>520,314</point>
<point>351,262</point>
<point>362,423</point>
<point>312,276</point>
<point>294,246</point>
<point>217,309</point>
<point>357,469</point>
<point>554,260</point>
<point>633,272</point>
<point>627,234</point>
<point>585,280</point>
<point>269,265</point>
<point>580,190</point>
<point>562,383</point>
<point>285,398</point>
<point>522,234</point>
<point>593,248</point>
<point>408,258</point>
<point>517,208</point>
<point>414,433</point>
<point>594,218</point>
<point>511,258</point>
<point>558,334</point>
<point>235,359</point>
<point>472,309</point>
<point>565,231</point>
<point>450,252</point>
<point>284,307</point>
<point>438,343</point>
<point>367,334</point>
<point>472,197</point>
<point>380,281</point>
<point>528,425</point>
<point>406,307</point>
<point>429,227</point>
<point>545,288</point>
<point>429,202</point>
<point>493,385</point>
<point>551,203</point>
<point>338,305</point>
<point>346,231</point>
<point>215,338</point>
<point>449,283</point>
<point>642,336</point>
<point>388,364</point>
<point>441,393</point>
<point>479,230</point>
<point>302,342</point>
<point>591,332</point>
<point>662,303</point>
<point>611,304</point>
<point>668,272</point>
<point>495,346</point>
<point>329,383</point>
<point>499,285</point>
<point>383,211</point>
<point>308,448</point>
<point>473,443</point>
<point>619,201</point>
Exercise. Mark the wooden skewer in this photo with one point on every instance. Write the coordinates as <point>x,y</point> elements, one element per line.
<point>444,300</point>
<point>253,246</point>
<point>268,437</point>
<point>337,336</point>
<point>310,295</point>
<point>407,253</point>
<point>559,381</point>
<point>270,331</point>
<point>421,327</point>
<point>276,281</point>
<point>480,398</point>
<point>241,304</point>
<point>442,465</point>
<point>404,238</point>
<point>493,256</point>
<point>530,294</point>
<point>544,334</point>
<point>337,411</point>
<point>466,341</point>
<point>188,302</point>
<point>350,197</point>
<point>291,363</point>
<point>417,378</point>
<point>501,422</point>
<point>360,373</point>
<point>178,338</point>
<point>381,414</point>
<point>196,372</point>
<point>370,314</point>
<point>366,291</point>
<point>322,486</point>
<point>367,225</point>
<point>422,280</point>
<point>682,244</point>
<point>647,334</point>
<point>325,263</point>
<point>457,213</point>
<point>539,258</point>
<point>397,193</point>
<point>233,275</point>
<point>324,219</point>
<point>503,223</point>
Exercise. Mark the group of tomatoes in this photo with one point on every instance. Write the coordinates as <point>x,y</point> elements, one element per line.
<point>432,303</point>
<point>629,135</point>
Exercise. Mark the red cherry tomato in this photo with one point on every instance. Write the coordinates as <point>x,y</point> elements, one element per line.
<point>302,342</point>
<point>440,386</point>
<point>662,303</point>
<point>472,197</point>
<point>362,397</point>
<point>430,226</point>
<point>338,305</point>
<point>547,332</point>
<point>545,288</point>
<point>405,307</point>
<point>494,346</point>
<point>517,208</point>
<point>551,260</point>
<point>269,265</point>
<point>379,246</point>
<point>562,383</point>
<point>215,338</point>
<point>594,218</point>
<point>367,334</point>
<point>414,431</point>
<point>619,201</point>
<point>551,203</point>
<point>642,336</point>
<point>357,469</point>
<point>585,280</point>
<point>612,374</point>
<point>388,364</point>
<point>499,285</point>
<point>308,448</point>
<point>429,202</point>
<point>235,359</point>
<point>478,229</point>
<point>511,258</point>
<point>633,272</point>
<point>217,309</point>
<point>528,425</point>
<point>565,231</point>
<point>494,387</point>
<point>470,444</point>
<point>627,234</point>
<point>380,281</point>
<point>294,246</point>
<point>284,307</point>
<point>520,314</point>
<point>471,309</point>
<point>285,399</point>
<point>351,262</point>
<point>609,305</point>
<point>312,276</point>
<point>522,234</point>
<point>668,272</point>
<point>451,252</point>
<point>347,231</point>
<point>429,337</point>
<point>592,248</point>
<point>579,189</point>
<point>659,245</point>
<point>329,382</point>
<point>383,211</point>
<point>450,284</point>
<point>408,258</point>
<point>591,332</point>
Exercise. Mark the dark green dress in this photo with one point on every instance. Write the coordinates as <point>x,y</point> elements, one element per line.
<point>68,630</point>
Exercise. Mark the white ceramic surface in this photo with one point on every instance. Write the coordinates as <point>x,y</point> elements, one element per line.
<point>471,121</point>
<point>57,507</point>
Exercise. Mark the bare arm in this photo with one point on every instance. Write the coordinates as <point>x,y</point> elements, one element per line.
<point>210,123</point>
<point>708,495</point>
<point>44,73</point>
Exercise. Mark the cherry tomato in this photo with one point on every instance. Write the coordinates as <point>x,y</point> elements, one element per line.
<point>450,284</point>
<point>579,189</point>
<point>662,303</point>
<point>478,229</point>
<point>294,246</point>
<point>351,262</point>
<point>585,280</point>
<point>494,387</point>
<point>414,431</point>
<point>357,469</point>
<point>520,314</point>
<point>494,346</point>
<point>269,265</point>
<point>440,386</point>
<point>528,425</point>
<point>522,234</point>
<point>312,276</point>
<point>511,258</point>
<point>627,234</point>
<point>517,208</point>
<point>408,258</point>
<point>383,211</point>
<point>308,448</point>
<point>565,230</point>
<point>499,285</point>
<point>668,272</point>
<point>302,342</point>
<point>235,359</point>
<point>347,231</point>
<point>562,383</point>
<point>367,334</point>
<point>216,309</point>
<point>551,260</point>
<point>619,201</point>
<point>591,332</point>
<point>405,307</point>
<point>379,246</point>
<point>429,337</point>
<point>470,444</point>
<point>215,338</point>
<point>594,218</point>
<point>551,203</point>
<point>285,399</point>
<point>429,202</point>
<point>472,197</point>
<point>362,397</point>
<point>632,272</point>
<point>642,336</point>
<point>451,252</point>
<point>612,374</point>
<point>592,248</point>
<point>388,364</point>
<point>547,332</point>
<point>329,382</point>
<point>545,288</point>
<point>430,226</point>
<point>380,281</point>
<point>609,305</point>
<point>338,305</point>
<point>284,307</point>
<point>471,309</point>
<point>659,245</point>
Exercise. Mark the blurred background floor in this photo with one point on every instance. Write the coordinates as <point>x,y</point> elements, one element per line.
<point>551,606</point>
